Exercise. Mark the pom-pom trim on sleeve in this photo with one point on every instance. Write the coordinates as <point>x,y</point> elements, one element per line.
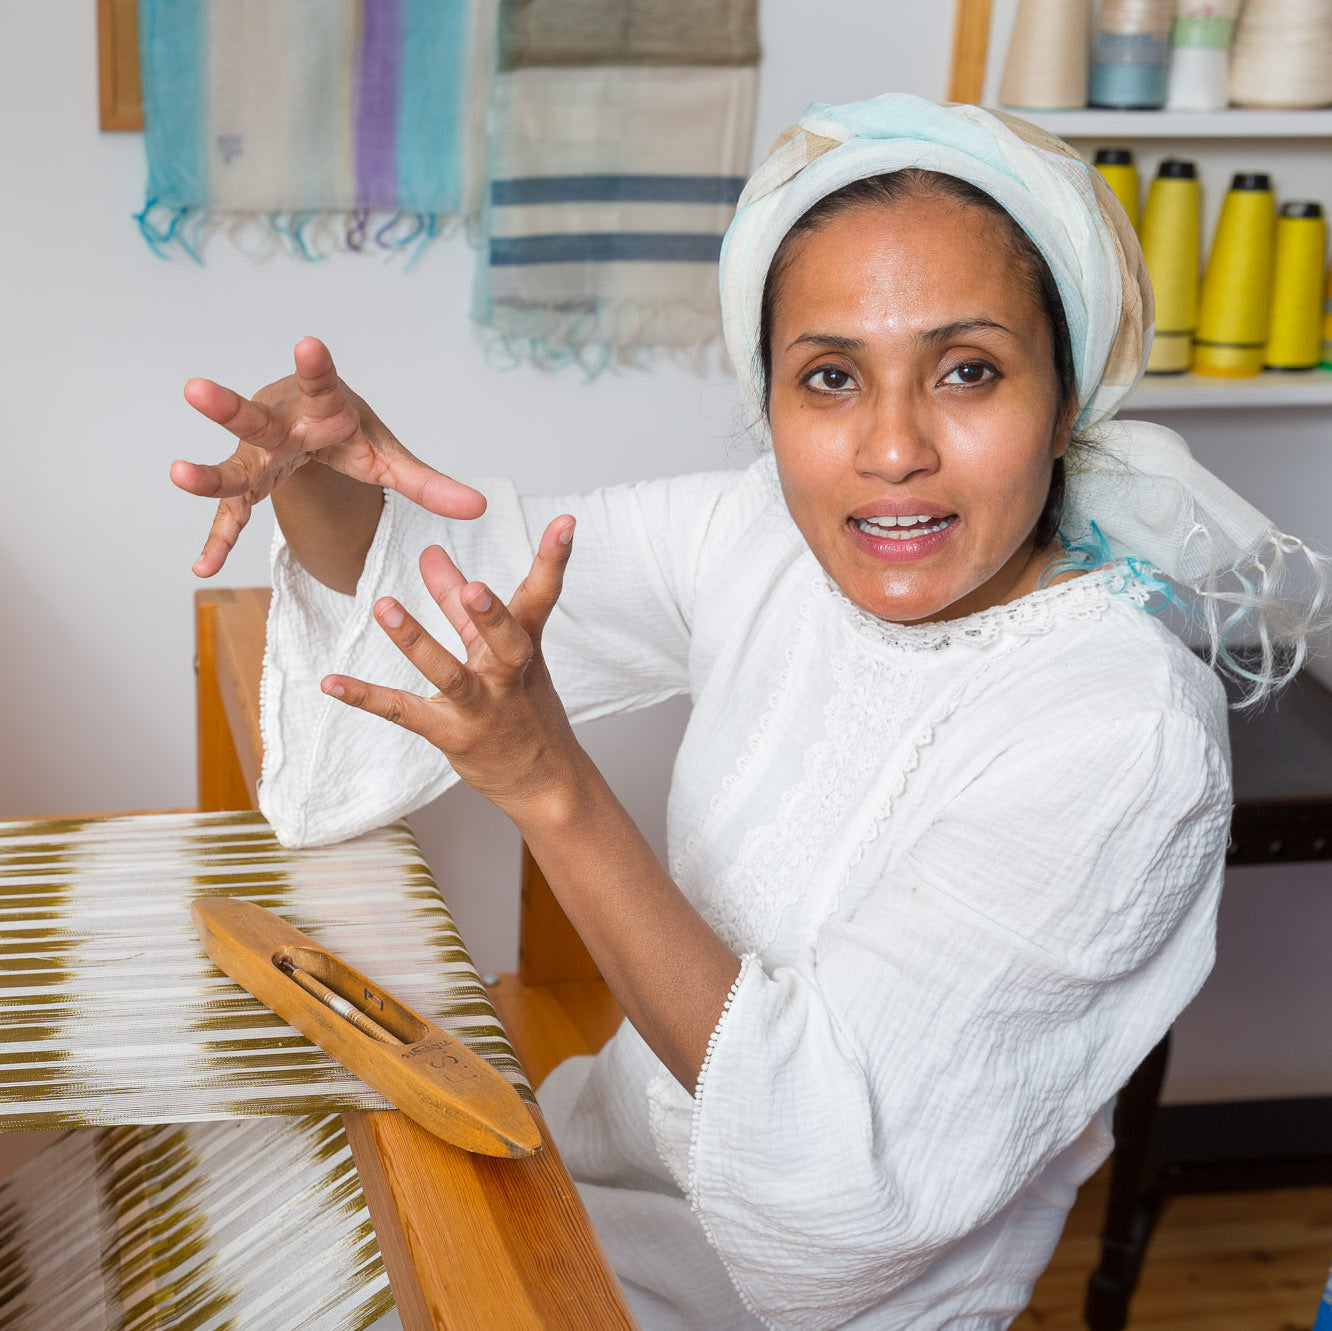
<point>748,962</point>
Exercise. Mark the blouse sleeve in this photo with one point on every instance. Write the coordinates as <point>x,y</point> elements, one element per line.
<point>618,639</point>
<point>858,1115</point>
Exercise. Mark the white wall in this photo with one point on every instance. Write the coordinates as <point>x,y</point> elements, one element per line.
<point>97,336</point>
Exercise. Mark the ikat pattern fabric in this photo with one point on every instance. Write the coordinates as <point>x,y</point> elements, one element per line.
<point>113,1014</point>
<point>259,1225</point>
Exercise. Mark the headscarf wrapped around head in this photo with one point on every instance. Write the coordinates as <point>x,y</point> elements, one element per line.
<point>1135,493</point>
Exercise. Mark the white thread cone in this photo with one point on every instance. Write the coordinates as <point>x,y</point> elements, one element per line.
<point>1046,65</point>
<point>1283,54</point>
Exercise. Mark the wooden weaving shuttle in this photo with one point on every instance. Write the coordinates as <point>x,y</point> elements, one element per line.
<point>427,1073</point>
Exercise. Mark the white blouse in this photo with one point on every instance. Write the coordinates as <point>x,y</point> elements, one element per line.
<point>972,870</point>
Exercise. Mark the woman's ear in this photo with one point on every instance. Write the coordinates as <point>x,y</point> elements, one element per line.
<point>1063,431</point>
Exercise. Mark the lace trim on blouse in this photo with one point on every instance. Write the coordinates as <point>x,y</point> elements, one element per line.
<point>777,859</point>
<point>1036,613</point>
<point>691,1182</point>
<point>881,695</point>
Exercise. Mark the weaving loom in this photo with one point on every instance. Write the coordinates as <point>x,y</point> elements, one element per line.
<point>214,1226</point>
<point>115,1017</point>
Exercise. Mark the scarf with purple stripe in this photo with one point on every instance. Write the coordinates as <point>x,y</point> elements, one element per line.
<point>331,122</point>
<point>620,142</point>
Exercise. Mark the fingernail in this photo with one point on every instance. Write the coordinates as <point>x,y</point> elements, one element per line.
<point>481,602</point>
<point>567,534</point>
<point>335,691</point>
<point>391,614</point>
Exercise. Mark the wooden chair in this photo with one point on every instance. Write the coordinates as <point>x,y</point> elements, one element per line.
<point>556,1004</point>
<point>468,1241</point>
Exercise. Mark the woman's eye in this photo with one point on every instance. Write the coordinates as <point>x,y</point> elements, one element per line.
<point>829,379</point>
<point>971,372</point>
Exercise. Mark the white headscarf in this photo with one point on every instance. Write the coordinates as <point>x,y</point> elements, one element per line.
<point>1136,494</point>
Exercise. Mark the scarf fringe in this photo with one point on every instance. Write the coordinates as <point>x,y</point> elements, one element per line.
<point>310,236</point>
<point>626,335</point>
<point>1253,615</point>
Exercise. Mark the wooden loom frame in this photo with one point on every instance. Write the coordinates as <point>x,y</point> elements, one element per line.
<point>469,1241</point>
<point>971,45</point>
<point>119,93</point>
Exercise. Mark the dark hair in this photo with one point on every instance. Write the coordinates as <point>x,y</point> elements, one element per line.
<point>914,182</point>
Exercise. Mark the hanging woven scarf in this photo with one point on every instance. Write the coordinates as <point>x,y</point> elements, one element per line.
<point>332,122</point>
<point>621,135</point>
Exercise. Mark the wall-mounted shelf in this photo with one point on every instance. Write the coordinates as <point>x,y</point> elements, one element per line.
<point>1234,123</point>
<point>1195,392</point>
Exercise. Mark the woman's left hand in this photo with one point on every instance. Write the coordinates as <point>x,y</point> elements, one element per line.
<point>499,721</point>
<point>496,716</point>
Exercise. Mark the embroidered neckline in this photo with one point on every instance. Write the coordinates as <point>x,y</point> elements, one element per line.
<point>1029,616</point>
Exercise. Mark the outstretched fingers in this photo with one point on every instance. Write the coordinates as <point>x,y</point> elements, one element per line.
<point>250,422</point>
<point>450,677</point>
<point>444,581</point>
<point>323,393</point>
<point>396,705</point>
<point>228,523</point>
<point>508,642</point>
<point>538,592</point>
<point>430,489</point>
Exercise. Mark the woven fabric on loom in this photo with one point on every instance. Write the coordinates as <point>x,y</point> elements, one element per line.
<point>621,135</point>
<point>260,1226</point>
<point>113,1013</point>
<point>326,120</point>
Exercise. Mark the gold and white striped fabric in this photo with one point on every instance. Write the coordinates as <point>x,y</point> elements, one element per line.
<point>112,1013</point>
<point>243,1226</point>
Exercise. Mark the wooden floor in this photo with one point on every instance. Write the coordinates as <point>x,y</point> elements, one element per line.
<point>1236,1261</point>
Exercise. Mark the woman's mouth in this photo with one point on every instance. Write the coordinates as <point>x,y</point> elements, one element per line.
<point>904,528</point>
<point>902,538</point>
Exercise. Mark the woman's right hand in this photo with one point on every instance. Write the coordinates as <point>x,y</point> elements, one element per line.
<point>308,416</point>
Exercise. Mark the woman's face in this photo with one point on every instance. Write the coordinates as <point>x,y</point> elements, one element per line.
<point>912,407</point>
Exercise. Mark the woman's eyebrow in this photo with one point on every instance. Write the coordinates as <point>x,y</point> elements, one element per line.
<point>945,333</point>
<point>831,341</point>
<point>959,328</point>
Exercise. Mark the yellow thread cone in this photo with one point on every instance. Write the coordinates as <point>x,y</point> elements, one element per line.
<point>1116,165</point>
<point>1237,286</point>
<point>1295,327</point>
<point>1171,225</point>
<point>1327,323</point>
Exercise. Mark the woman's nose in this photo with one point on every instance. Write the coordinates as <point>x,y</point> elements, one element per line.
<point>895,441</point>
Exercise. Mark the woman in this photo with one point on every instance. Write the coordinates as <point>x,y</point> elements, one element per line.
<point>947,825</point>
